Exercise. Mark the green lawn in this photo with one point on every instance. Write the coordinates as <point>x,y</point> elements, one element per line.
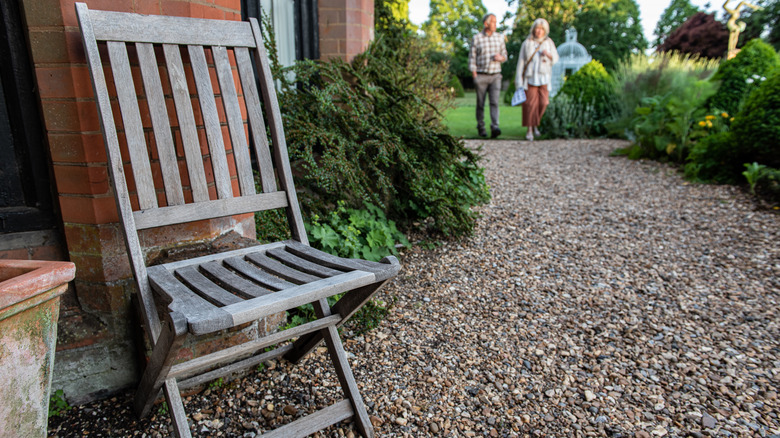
<point>462,122</point>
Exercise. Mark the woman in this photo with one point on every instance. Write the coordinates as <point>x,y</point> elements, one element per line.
<point>534,71</point>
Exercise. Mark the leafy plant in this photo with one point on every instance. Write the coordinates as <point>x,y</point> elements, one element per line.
<point>369,316</point>
<point>366,234</point>
<point>216,384</point>
<point>57,404</point>
<point>752,173</point>
<point>664,127</point>
<point>163,409</point>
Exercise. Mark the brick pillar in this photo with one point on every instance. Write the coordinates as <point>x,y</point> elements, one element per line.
<point>96,352</point>
<point>346,27</point>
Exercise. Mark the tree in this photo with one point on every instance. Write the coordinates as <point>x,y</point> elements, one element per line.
<point>559,13</point>
<point>674,16</point>
<point>611,32</point>
<point>451,26</point>
<point>700,35</point>
<point>391,18</point>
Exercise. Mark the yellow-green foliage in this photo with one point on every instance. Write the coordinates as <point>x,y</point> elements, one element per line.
<point>591,86</point>
<point>643,76</point>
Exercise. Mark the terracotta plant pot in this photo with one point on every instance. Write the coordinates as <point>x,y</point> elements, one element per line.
<point>29,307</point>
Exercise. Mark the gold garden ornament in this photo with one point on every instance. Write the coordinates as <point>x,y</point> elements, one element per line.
<point>734,26</point>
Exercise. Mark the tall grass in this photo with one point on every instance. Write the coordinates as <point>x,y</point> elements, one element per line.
<point>641,76</point>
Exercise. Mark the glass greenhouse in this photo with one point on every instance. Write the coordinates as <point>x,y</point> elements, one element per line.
<point>572,56</point>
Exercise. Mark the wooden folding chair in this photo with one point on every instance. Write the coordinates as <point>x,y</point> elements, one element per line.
<point>220,291</point>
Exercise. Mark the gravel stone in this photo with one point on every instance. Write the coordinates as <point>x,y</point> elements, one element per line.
<point>608,295</point>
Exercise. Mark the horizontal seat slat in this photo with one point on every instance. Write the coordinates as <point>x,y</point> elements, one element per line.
<point>256,274</point>
<point>233,282</point>
<point>157,29</point>
<point>277,268</point>
<point>178,214</point>
<point>382,270</point>
<point>183,301</point>
<point>303,264</point>
<point>256,308</point>
<point>205,287</point>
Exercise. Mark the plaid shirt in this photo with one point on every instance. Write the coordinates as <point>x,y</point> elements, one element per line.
<point>483,48</point>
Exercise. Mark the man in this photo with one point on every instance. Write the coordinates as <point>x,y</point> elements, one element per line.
<point>488,51</point>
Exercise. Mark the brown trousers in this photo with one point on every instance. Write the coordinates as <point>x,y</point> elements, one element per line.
<point>536,101</point>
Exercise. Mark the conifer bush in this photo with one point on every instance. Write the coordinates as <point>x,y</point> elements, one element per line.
<point>757,126</point>
<point>371,132</point>
<point>737,76</point>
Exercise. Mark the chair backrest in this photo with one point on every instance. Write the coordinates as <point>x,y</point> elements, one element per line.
<point>174,114</point>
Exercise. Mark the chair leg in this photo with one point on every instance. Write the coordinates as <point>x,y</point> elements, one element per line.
<point>178,416</point>
<point>171,337</point>
<point>350,303</point>
<point>344,372</point>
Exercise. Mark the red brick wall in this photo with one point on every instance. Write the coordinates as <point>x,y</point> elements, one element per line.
<point>98,332</point>
<point>96,324</point>
<point>346,27</point>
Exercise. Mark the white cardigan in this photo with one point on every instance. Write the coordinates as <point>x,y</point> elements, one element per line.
<point>540,67</point>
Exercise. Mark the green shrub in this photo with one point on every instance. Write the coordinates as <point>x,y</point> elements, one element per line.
<point>757,126</point>
<point>366,234</point>
<point>456,88</point>
<point>565,118</point>
<point>737,76</point>
<point>371,131</point>
<point>510,91</point>
<point>712,159</point>
<point>591,87</point>
<point>767,185</point>
<point>642,76</point>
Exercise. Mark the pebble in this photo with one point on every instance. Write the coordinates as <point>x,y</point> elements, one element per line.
<point>708,422</point>
<point>606,294</point>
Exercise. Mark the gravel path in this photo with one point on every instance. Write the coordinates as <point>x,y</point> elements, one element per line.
<point>598,297</point>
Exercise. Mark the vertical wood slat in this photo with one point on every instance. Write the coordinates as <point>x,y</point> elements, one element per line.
<point>281,157</point>
<point>162,127</point>
<point>208,109</point>
<point>131,118</point>
<point>116,171</point>
<point>186,117</point>
<point>235,123</point>
<point>256,123</point>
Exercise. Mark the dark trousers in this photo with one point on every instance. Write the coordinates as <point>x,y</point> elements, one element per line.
<point>490,85</point>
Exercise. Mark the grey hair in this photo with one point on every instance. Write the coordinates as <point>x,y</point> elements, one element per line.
<point>486,16</point>
<point>540,22</point>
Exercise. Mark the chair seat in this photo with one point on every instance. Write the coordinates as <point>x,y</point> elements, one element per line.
<point>222,291</point>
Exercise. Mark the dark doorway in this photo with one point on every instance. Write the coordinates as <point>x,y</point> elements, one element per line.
<point>307,41</point>
<point>25,185</point>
